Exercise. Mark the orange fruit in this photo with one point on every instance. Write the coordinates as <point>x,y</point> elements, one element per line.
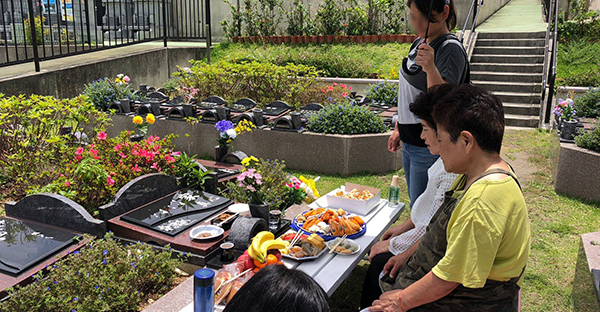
<point>272,259</point>
<point>259,264</point>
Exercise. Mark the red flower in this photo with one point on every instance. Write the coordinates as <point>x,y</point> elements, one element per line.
<point>110,181</point>
<point>102,135</point>
<point>68,184</point>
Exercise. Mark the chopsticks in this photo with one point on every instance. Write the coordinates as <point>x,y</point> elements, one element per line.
<point>294,240</point>
<point>231,280</point>
<point>338,243</point>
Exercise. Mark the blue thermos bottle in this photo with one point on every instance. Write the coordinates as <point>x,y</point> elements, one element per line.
<point>204,290</point>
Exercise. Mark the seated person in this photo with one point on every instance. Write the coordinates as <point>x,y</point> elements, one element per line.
<point>399,242</point>
<point>474,252</point>
<point>276,288</point>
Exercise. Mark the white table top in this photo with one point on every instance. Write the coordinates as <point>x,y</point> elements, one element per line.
<point>330,270</point>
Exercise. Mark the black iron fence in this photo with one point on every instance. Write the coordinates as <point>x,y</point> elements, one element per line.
<point>66,27</point>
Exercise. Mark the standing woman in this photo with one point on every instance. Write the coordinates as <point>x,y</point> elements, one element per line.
<point>436,57</point>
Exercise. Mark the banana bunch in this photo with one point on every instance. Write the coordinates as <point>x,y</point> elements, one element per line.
<point>262,243</point>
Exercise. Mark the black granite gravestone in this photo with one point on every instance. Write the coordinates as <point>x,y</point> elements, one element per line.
<point>276,108</point>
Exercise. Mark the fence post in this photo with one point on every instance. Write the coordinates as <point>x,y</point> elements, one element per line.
<point>36,57</point>
<point>164,10</point>
<point>208,30</point>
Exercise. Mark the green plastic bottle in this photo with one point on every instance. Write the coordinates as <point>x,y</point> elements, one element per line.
<point>394,194</point>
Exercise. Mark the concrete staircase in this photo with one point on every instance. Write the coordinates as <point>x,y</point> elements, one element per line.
<point>510,65</point>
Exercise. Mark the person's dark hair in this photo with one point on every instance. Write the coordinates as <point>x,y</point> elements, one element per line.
<point>422,107</point>
<point>276,288</point>
<point>438,6</point>
<point>469,108</point>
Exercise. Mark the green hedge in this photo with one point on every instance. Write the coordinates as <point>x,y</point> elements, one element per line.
<point>346,119</point>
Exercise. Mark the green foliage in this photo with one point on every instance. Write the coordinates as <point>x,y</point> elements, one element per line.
<point>263,82</point>
<point>95,173</point>
<point>31,144</point>
<point>346,119</point>
<point>588,105</point>
<point>40,30</point>
<point>583,25</point>
<point>578,64</point>
<point>383,93</point>
<point>104,91</point>
<point>269,16</point>
<point>102,276</point>
<point>330,17</point>
<point>189,172</point>
<point>589,139</point>
<point>297,18</point>
<point>232,28</point>
<point>356,20</point>
<point>272,190</point>
<point>335,60</point>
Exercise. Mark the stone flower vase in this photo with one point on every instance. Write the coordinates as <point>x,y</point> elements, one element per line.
<point>220,152</point>
<point>260,211</point>
<point>568,129</point>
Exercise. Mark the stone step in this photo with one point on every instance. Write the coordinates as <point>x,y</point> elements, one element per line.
<point>501,86</point>
<point>510,43</point>
<point>519,97</point>
<point>522,109</point>
<point>508,77</point>
<point>512,59</point>
<point>512,35</point>
<point>510,50</point>
<point>507,68</point>
<point>521,121</point>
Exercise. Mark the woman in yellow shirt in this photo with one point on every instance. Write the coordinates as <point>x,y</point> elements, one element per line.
<point>476,247</point>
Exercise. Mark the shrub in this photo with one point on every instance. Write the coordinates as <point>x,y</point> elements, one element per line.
<point>578,64</point>
<point>346,119</point>
<point>32,146</point>
<point>356,24</point>
<point>102,276</point>
<point>105,91</point>
<point>330,17</point>
<point>95,172</point>
<point>589,139</point>
<point>588,105</point>
<point>297,18</point>
<point>584,25</point>
<point>263,82</point>
<point>40,30</point>
<point>383,93</point>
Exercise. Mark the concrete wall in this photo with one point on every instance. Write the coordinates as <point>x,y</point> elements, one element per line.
<point>220,11</point>
<point>152,67</point>
<point>327,154</point>
<point>578,172</point>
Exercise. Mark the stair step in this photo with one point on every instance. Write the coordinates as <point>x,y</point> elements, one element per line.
<point>521,121</point>
<point>508,77</point>
<point>510,42</point>
<point>501,86</point>
<point>507,67</point>
<point>510,50</point>
<point>512,35</point>
<point>521,109</point>
<point>513,59</point>
<point>518,97</point>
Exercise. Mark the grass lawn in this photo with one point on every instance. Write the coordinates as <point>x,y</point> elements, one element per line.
<point>335,60</point>
<point>557,277</point>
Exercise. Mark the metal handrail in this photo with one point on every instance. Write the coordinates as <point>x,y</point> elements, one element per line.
<point>549,71</point>
<point>474,11</point>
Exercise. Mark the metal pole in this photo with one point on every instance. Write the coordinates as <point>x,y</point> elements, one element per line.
<point>208,43</point>
<point>87,23</point>
<point>164,11</point>
<point>208,32</point>
<point>36,57</point>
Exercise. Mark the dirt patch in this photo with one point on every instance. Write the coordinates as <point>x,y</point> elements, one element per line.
<point>521,164</point>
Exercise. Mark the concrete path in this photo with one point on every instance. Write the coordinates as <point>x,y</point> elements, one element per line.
<point>516,16</point>
<point>29,68</point>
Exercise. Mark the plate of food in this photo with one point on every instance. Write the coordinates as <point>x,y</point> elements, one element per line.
<point>346,247</point>
<point>329,223</point>
<point>302,247</point>
<point>206,232</point>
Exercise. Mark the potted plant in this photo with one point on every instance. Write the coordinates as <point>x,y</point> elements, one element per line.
<point>142,126</point>
<point>568,121</point>
<point>228,133</point>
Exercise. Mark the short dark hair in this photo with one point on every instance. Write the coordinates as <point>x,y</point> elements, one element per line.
<point>438,6</point>
<point>470,108</point>
<point>276,288</point>
<point>422,107</point>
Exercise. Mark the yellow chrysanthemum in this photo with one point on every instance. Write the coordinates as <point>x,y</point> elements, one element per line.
<point>150,118</point>
<point>312,185</point>
<point>138,120</point>
<point>246,161</point>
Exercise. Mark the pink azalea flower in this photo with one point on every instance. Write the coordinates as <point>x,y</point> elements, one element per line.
<point>251,188</point>
<point>322,90</point>
<point>136,168</point>
<point>110,181</point>
<point>334,84</point>
<point>330,88</point>
<point>122,155</point>
<point>154,166</point>
<point>176,154</point>
<point>343,86</point>
<point>344,94</point>
<point>169,159</point>
<point>117,147</point>
<point>350,88</point>
<point>79,151</point>
<point>102,135</point>
<point>68,183</point>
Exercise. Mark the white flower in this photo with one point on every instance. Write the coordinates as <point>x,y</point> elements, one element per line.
<point>231,134</point>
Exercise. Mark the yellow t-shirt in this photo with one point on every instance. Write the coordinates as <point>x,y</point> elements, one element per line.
<point>488,234</point>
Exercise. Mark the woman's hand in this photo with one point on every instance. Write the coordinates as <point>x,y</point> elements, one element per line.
<point>392,232</point>
<point>395,263</point>
<point>379,248</point>
<point>394,142</point>
<point>426,57</point>
<point>388,302</point>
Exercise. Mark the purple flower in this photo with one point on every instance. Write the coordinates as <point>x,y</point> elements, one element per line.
<point>105,252</point>
<point>104,261</point>
<point>224,125</point>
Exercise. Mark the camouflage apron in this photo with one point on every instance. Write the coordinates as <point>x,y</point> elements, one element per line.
<point>494,296</point>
